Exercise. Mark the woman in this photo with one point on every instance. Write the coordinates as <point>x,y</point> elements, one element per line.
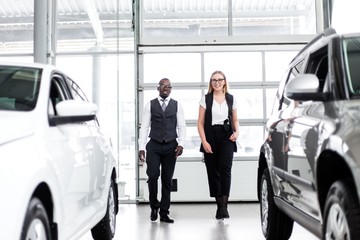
<point>218,129</point>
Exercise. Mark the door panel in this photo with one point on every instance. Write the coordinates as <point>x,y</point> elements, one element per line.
<point>67,147</point>
<point>302,151</point>
<point>71,149</point>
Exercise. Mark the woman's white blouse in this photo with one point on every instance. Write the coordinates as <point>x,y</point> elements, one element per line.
<point>219,110</point>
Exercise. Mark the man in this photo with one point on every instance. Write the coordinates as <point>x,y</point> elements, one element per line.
<point>163,119</point>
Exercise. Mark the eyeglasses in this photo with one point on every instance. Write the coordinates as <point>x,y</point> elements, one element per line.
<point>163,86</point>
<point>217,80</point>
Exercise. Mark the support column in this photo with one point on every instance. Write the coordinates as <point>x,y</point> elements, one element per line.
<point>96,75</point>
<point>45,13</point>
<point>40,31</point>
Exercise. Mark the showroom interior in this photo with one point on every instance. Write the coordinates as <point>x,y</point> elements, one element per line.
<point>118,50</point>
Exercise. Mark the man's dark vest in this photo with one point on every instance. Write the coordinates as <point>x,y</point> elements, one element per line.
<point>163,124</point>
<point>209,98</point>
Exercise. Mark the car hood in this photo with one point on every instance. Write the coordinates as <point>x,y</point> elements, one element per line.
<point>14,126</point>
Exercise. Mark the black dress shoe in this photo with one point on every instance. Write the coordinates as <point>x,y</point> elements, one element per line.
<point>166,219</point>
<point>154,214</point>
<point>225,213</point>
<point>219,214</point>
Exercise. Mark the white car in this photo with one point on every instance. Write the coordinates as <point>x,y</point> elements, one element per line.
<point>58,176</point>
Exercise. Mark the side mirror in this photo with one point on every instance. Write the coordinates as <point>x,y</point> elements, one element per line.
<point>73,111</point>
<point>75,108</point>
<point>305,87</point>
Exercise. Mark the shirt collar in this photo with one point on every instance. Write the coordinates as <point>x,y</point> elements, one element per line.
<point>166,99</point>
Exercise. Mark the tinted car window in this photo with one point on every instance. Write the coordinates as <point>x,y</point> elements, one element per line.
<point>19,88</point>
<point>78,94</point>
<point>352,60</point>
<point>283,101</point>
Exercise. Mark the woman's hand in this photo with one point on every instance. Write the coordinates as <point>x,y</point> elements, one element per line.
<point>207,147</point>
<point>234,136</point>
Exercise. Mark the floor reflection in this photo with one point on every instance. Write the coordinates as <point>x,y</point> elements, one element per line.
<point>194,221</point>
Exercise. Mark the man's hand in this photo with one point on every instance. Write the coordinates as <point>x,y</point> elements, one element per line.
<point>178,151</point>
<point>141,156</point>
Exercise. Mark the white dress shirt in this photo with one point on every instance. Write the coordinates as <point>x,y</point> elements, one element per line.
<point>219,110</point>
<point>146,123</point>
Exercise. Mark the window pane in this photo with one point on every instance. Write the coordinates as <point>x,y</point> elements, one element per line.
<point>249,140</point>
<point>105,91</point>
<point>82,76</point>
<point>273,17</point>
<point>82,25</point>
<point>249,103</point>
<point>199,18</point>
<point>185,18</point>
<point>270,97</point>
<point>158,66</point>
<point>189,100</point>
<point>276,63</point>
<point>17,27</point>
<point>192,144</point>
<point>237,66</point>
<point>344,16</point>
<point>17,59</point>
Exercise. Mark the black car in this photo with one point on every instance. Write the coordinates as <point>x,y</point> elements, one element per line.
<point>309,164</point>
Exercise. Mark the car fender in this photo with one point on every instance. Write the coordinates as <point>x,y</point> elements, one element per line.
<point>348,148</point>
<point>267,162</point>
<point>17,191</point>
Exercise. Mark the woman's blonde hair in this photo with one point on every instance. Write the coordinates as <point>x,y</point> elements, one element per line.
<point>225,87</point>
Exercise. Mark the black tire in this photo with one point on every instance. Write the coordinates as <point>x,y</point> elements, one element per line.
<point>105,229</point>
<point>275,224</point>
<point>36,224</point>
<point>342,212</point>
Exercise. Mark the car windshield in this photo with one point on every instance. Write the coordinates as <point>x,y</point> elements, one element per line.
<point>352,63</point>
<point>19,88</point>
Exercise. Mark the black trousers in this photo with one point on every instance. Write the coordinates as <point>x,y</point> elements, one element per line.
<point>219,163</point>
<point>160,160</point>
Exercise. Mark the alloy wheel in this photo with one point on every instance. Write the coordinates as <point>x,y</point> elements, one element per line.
<point>36,231</point>
<point>112,214</point>
<point>337,226</point>
<point>264,206</point>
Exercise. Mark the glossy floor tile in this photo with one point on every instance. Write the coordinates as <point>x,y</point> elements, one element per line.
<point>194,221</point>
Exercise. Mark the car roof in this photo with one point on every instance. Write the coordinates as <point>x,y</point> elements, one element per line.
<point>33,65</point>
<point>319,40</point>
<point>328,33</point>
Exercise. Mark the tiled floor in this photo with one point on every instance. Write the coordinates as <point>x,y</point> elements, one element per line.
<point>194,222</point>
